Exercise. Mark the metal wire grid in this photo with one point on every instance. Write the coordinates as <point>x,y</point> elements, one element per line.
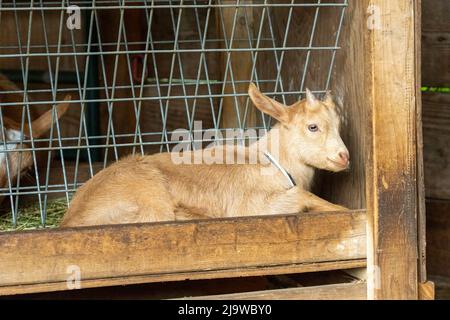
<point>92,56</point>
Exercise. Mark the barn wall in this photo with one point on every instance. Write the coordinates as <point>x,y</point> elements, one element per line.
<point>436,132</point>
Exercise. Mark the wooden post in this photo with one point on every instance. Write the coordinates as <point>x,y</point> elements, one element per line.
<point>240,64</point>
<point>392,167</point>
<point>421,215</point>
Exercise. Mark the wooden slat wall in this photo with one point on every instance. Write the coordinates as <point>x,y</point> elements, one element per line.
<point>436,106</point>
<point>438,237</point>
<point>436,42</point>
<point>436,133</point>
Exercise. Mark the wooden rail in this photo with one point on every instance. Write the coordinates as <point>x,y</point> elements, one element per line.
<point>44,261</point>
<point>342,291</point>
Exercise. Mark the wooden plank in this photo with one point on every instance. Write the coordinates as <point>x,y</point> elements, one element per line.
<point>436,135</point>
<point>193,275</point>
<point>421,213</point>
<point>438,237</point>
<point>435,15</point>
<point>436,42</point>
<point>426,291</point>
<point>392,167</point>
<point>167,248</point>
<point>158,290</point>
<point>442,287</point>
<point>436,57</point>
<point>343,291</point>
<point>235,25</point>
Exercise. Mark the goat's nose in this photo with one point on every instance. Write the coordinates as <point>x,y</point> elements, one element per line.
<point>345,157</point>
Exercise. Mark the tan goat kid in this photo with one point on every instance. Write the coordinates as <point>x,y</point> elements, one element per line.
<point>154,188</point>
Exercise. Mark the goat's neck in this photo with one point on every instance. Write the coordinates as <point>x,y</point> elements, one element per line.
<point>273,143</point>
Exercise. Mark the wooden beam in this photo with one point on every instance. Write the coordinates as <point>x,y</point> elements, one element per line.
<point>343,291</point>
<point>420,176</point>
<point>392,167</point>
<point>192,275</point>
<point>193,249</point>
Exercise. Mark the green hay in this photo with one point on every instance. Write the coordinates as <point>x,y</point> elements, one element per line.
<point>29,218</point>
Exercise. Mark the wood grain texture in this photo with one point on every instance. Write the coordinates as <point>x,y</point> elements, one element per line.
<point>436,106</point>
<point>426,291</point>
<point>436,135</point>
<point>157,290</point>
<point>392,171</point>
<point>344,291</point>
<point>192,275</point>
<point>436,42</point>
<point>438,237</point>
<point>442,287</point>
<point>167,248</point>
<point>421,212</point>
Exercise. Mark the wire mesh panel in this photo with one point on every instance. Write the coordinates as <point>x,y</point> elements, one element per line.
<point>134,72</point>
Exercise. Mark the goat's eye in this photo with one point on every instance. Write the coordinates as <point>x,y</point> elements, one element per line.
<point>313,127</point>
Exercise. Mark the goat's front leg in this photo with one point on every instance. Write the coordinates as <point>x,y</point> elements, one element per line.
<point>295,200</point>
<point>315,203</point>
<point>281,202</point>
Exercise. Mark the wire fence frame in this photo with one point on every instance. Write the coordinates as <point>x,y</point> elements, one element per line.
<point>200,90</point>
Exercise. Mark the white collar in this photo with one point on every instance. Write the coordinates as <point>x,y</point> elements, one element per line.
<point>283,171</point>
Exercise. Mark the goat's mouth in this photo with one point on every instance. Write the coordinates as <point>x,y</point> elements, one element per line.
<point>339,165</point>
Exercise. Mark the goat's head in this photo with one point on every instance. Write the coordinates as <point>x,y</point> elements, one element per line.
<point>15,159</point>
<point>309,130</point>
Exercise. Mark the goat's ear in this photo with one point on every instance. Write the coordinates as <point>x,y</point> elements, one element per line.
<point>42,124</point>
<point>9,124</point>
<point>328,99</point>
<point>267,105</point>
<point>311,101</point>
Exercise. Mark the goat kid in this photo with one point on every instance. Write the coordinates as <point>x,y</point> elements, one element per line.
<point>13,161</point>
<point>154,188</point>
